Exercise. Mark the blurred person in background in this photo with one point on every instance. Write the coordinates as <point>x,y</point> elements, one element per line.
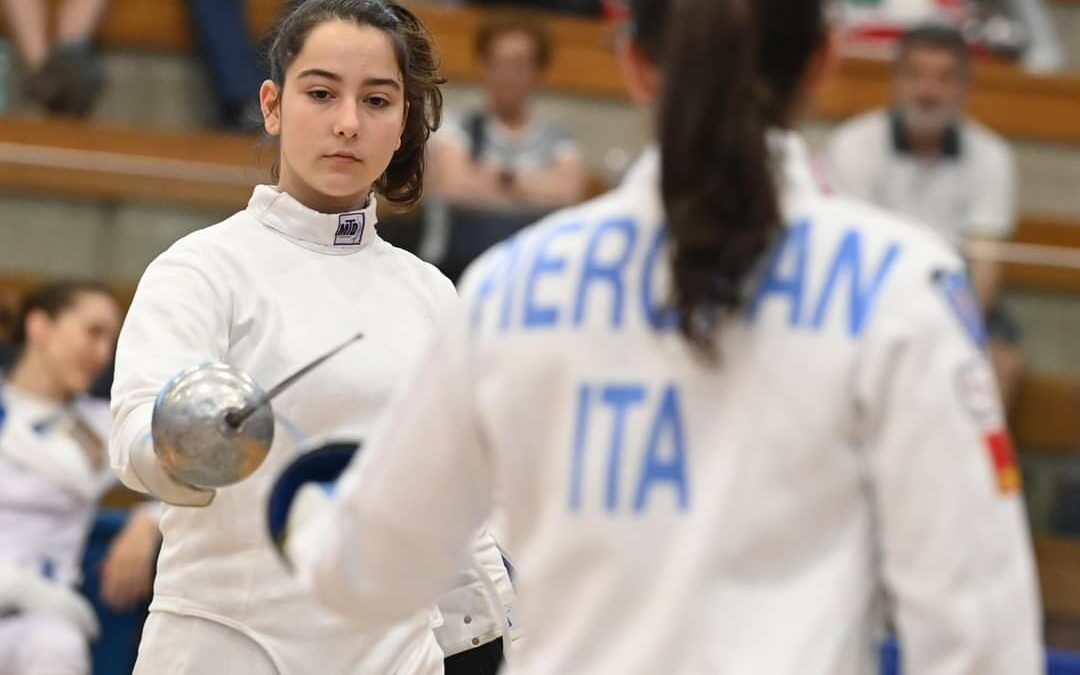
<point>497,169</point>
<point>53,470</point>
<point>231,60</point>
<point>924,158</point>
<point>64,75</point>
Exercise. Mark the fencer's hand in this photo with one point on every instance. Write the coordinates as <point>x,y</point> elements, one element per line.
<point>160,483</point>
<point>305,489</point>
<point>28,592</point>
<point>127,575</point>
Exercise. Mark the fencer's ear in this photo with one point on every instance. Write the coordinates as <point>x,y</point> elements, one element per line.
<point>270,102</point>
<point>642,76</point>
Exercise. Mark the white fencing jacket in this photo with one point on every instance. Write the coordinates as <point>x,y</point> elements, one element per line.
<point>267,291</point>
<point>754,517</point>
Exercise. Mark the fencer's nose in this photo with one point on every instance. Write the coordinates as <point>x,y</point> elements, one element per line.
<point>347,122</point>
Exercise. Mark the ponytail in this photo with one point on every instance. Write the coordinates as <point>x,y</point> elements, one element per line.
<point>731,70</point>
<point>718,185</point>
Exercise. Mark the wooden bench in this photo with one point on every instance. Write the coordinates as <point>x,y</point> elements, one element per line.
<point>1045,231</point>
<point>62,157</point>
<point>1046,418</point>
<point>1018,104</point>
<point>217,171</point>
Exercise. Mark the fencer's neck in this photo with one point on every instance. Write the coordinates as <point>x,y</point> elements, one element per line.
<point>31,376</point>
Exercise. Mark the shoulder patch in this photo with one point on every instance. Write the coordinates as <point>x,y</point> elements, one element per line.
<point>960,298</point>
<point>978,394</point>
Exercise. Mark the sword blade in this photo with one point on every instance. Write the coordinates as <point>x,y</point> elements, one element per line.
<point>237,417</point>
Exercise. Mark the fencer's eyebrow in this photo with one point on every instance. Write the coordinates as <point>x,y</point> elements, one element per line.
<point>382,82</point>
<point>319,72</point>
<point>369,82</point>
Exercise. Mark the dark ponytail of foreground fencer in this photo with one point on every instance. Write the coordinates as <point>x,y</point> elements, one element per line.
<point>731,70</point>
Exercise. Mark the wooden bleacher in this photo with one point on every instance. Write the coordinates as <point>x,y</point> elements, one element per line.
<point>1018,104</point>
<point>217,171</point>
<point>71,158</point>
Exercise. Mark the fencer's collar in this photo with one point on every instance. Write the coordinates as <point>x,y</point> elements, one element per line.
<point>334,233</point>
<point>798,173</point>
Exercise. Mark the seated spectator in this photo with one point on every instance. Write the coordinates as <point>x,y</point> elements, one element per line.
<point>231,60</point>
<point>53,469</point>
<point>67,76</point>
<point>499,168</point>
<point>924,158</point>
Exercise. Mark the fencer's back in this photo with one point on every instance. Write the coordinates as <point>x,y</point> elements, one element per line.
<point>668,514</point>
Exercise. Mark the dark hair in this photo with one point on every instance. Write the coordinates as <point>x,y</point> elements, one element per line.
<point>506,23</point>
<point>731,70</point>
<point>935,36</point>
<point>53,298</point>
<point>403,181</point>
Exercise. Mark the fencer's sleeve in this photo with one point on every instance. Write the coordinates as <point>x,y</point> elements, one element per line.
<point>178,318</point>
<point>405,513</point>
<point>956,555</point>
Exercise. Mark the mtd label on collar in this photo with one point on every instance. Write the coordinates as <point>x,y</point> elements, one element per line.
<point>350,229</point>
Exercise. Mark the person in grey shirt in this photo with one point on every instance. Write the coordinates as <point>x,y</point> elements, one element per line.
<point>924,158</point>
<point>499,168</point>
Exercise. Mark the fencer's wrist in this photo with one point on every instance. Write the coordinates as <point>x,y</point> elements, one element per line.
<point>161,484</point>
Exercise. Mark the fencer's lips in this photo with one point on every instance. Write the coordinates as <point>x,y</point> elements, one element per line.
<point>343,156</point>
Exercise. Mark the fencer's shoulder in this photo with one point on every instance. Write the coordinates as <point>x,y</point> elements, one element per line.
<point>920,248</point>
<point>416,271</point>
<point>207,246</point>
<point>514,252</point>
<point>594,213</point>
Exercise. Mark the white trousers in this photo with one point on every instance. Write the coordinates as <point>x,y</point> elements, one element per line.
<point>42,644</point>
<point>174,644</point>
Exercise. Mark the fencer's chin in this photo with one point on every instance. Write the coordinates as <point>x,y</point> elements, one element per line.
<point>346,188</point>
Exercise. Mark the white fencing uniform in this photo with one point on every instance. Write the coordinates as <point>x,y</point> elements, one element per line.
<point>267,291</point>
<point>53,471</point>
<point>668,516</point>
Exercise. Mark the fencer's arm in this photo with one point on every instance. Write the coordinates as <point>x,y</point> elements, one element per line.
<point>178,318</point>
<point>406,511</point>
<point>956,552</point>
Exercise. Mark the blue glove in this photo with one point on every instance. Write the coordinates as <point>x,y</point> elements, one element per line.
<point>305,488</point>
